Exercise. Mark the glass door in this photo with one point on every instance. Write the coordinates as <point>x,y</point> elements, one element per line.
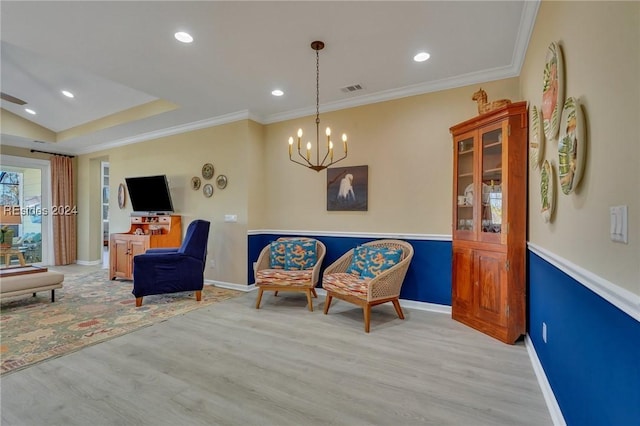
<point>491,172</point>
<point>24,184</point>
<point>464,186</point>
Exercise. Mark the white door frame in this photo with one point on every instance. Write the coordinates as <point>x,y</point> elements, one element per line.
<point>45,176</point>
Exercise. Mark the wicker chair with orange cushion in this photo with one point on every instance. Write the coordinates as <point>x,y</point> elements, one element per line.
<point>369,275</point>
<point>290,264</point>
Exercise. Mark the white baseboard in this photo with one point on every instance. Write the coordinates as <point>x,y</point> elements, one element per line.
<point>545,387</point>
<point>88,262</point>
<point>232,286</point>
<point>410,304</point>
<point>425,306</point>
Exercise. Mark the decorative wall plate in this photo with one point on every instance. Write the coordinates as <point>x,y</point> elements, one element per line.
<point>536,143</point>
<point>122,196</point>
<point>195,183</point>
<point>207,190</point>
<point>572,146</point>
<point>207,171</point>
<point>547,190</point>
<point>552,91</point>
<point>221,181</point>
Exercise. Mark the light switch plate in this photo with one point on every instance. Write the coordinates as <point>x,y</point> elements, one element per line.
<point>230,217</point>
<point>618,224</point>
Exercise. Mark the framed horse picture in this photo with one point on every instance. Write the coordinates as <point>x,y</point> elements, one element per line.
<point>347,188</point>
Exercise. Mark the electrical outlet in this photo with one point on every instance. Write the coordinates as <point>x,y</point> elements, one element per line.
<point>212,263</point>
<point>544,332</point>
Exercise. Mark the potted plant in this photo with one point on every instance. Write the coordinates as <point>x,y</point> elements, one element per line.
<point>6,237</point>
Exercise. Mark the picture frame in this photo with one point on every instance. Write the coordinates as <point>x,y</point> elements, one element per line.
<point>348,188</point>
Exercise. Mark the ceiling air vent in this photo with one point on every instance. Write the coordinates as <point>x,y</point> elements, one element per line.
<point>352,88</point>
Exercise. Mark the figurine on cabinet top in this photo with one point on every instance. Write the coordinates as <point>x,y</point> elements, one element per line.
<point>483,106</point>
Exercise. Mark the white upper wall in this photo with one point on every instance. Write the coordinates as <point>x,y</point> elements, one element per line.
<point>601,48</point>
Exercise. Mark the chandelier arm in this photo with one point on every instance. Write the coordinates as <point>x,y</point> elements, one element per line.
<point>336,161</point>
<point>325,158</point>
<point>302,164</point>
<point>304,158</point>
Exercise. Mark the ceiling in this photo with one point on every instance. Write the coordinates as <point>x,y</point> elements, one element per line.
<point>133,81</point>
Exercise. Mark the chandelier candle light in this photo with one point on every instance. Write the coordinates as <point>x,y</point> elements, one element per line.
<point>317,46</point>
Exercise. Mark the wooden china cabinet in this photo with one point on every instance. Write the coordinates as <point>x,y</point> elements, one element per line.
<point>489,222</point>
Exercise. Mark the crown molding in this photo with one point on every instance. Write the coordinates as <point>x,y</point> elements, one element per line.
<point>402,92</point>
<point>169,131</point>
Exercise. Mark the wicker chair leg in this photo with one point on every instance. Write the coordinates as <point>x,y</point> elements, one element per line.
<point>396,304</point>
<point>327,303</point>
<point>367,317</point>
<point>259,299</point>
<point>275,293</point>
<point>309,301</point>
<point>313,290</point>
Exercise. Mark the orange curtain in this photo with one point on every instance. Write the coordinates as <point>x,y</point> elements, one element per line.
<point>63,210</point>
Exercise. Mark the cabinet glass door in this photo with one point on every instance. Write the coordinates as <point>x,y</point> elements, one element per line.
<point>491,172</point>
<point>464,200</point>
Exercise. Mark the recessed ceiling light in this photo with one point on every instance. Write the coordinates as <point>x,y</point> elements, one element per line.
<point>277,92</point>
<point>421,57</point>
<point>68,94</point>
<point>183,37</point>
<point>30,111</point>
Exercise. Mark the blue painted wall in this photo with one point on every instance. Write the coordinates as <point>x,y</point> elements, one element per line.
<point>428,278</point>
<point>592,354</point>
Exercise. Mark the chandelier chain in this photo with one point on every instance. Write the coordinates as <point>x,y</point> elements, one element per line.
<point>317,86</point>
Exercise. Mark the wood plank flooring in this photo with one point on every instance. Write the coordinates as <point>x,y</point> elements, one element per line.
<point>230,364</point>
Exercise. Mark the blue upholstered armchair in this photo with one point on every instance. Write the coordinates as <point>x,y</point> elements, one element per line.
<point>171,270</point>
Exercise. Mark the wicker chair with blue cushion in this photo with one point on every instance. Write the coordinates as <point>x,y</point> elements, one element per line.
<point>290,264</point>
<point>369,275</point>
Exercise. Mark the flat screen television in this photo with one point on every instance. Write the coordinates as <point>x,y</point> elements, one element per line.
<point>149,194</point>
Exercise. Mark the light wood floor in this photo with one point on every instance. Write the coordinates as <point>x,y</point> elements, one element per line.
<point>230,364</point>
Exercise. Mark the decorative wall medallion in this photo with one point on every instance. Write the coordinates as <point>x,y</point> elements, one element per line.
<point>572,146</point>
<point>547,190</point>
<point>195,183</point>
<point>122,196</point>
<point>207,171</point>
<point>552,91</point>
<point>221,181</point>
<point>536,144</point>
<point>207,190</point>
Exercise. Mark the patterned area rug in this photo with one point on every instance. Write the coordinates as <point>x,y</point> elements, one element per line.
<point>89,309</point>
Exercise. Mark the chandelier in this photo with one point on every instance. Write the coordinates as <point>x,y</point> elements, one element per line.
<point>306,159</point>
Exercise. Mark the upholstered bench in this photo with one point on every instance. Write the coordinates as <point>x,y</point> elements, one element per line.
<point>28,279</point>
